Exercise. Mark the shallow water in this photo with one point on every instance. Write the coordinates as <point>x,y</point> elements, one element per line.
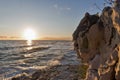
<point>18,57</point>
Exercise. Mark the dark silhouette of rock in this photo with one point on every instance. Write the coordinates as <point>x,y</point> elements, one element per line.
<point>87,21</point>
<point>85,24</point>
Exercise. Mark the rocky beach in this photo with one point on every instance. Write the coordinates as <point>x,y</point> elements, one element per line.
<point>69,68</point>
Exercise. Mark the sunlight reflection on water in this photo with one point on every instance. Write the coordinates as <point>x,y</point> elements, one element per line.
<point>30,56</point>
<point>29,43</point>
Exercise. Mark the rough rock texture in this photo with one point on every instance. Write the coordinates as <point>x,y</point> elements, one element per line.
<point>97,43</point>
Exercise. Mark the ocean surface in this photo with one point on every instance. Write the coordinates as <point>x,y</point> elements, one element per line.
<point>17,57</point>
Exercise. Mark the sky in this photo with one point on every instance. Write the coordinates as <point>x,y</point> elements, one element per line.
<point>50,19</point>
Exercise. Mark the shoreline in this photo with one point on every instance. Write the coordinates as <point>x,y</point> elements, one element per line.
<point>58,72</point>
<point>69,68</point>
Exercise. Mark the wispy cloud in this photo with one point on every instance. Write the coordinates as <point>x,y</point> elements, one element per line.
<point>68,8</point>
<point>56,38</point>
<point>1,37</point>
<point>58,7</point>
<point>55,6</point>
<point>8,37</point>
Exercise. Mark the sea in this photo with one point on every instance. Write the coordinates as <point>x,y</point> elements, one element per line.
<point>21,56</point>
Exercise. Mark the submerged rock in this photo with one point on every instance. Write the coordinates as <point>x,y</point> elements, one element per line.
<point>58,72</point>
<point>98,44</point>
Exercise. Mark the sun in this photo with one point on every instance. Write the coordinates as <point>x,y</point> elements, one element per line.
<point>29,34</point>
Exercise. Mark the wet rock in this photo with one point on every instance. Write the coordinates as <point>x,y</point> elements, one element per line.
<point>21,77</point>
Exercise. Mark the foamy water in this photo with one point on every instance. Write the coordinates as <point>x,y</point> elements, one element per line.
<point>17,57</point>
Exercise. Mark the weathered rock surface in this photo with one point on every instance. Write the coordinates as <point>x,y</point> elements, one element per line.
<point>97,43</point>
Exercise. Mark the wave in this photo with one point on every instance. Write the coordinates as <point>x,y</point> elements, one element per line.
<point>34,49</point>
<point>13,47</point>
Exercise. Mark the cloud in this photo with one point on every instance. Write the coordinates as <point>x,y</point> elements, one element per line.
<point>14,37</point>
<point>68,8</point>
<point>56,6</point>
<point>8,37</point>
<point>1,37</point>
<point>56,38</point>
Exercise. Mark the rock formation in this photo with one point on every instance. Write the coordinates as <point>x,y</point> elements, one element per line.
<point>97,43</point>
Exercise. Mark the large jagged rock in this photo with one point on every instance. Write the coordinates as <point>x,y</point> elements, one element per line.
<point>98,43</point>
<point>82,28</point>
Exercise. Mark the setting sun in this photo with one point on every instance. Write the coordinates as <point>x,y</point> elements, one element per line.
<point>29,34</point>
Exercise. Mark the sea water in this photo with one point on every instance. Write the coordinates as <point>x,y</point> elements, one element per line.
<point>19,56</point>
